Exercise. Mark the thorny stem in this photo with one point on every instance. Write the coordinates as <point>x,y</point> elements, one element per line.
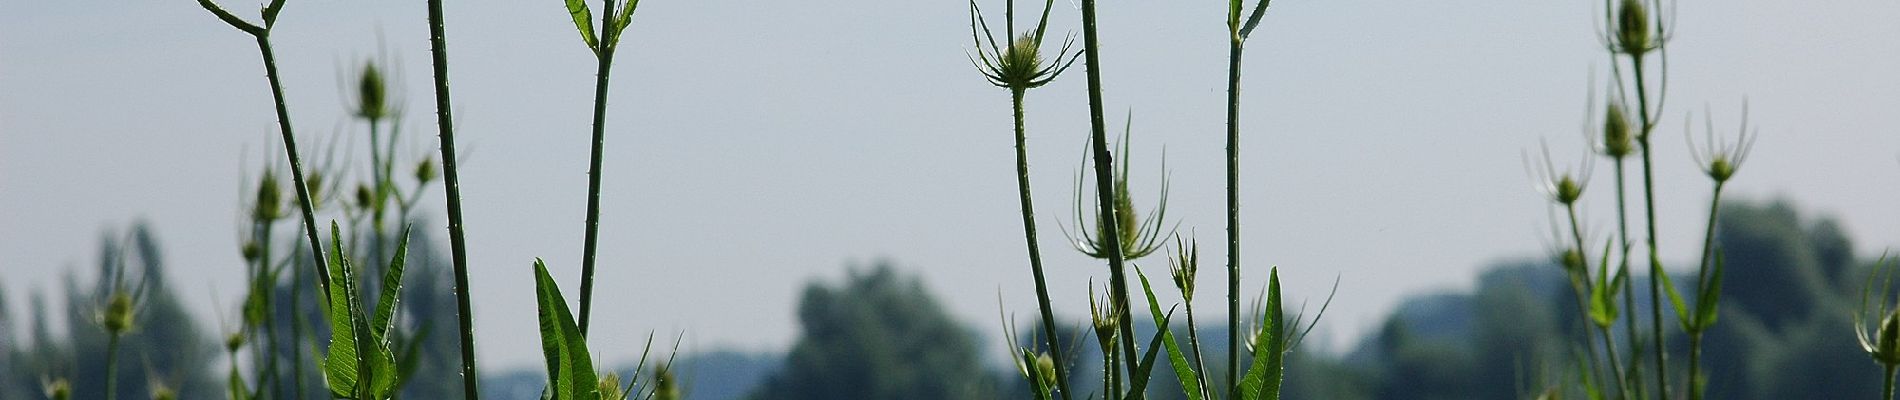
<point>1194,342</point>
<point>458,245</point>
<point>296,163</point>
<point>1104,178</point>
<point>1655,261</point>
<point>607,41</point>
<point>1233,211</point>
<point>1035,252</point>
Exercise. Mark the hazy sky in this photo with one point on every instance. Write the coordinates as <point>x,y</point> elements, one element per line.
<point>756,145</point>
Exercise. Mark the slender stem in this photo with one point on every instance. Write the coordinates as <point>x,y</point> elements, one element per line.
<point>1886,392</point>
<point>1194,342</point>
<point>1104,178</point>
<point>593,169</point>
<point>296,333</point>
<point>268,288</point>
<point>1695,365</point>
<point>1233,212</point>
<point>1633,375</point>
<point>378,178</point>
<point>1655,260</point>
<point>304,201</point>
<point>1616,365</point>
<point>458,245</point>
<point>1035,252</point>
<point>1702,282</point>
<point>113,366</point>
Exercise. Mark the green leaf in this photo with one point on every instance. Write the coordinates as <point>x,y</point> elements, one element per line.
<point>584,21</point>
<point>1675,298</point>
<point>1183,371</point>
<point>570,371</point>
<point>1262,381</point>
<point>392,286</point>
<point>623,19</point>
<point>1706,305</point>
<point>1144,369</point>
<point>340,365</point>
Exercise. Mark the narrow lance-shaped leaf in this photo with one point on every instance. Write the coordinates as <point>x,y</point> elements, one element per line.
<point>1675,297</point>
<point>584,21</point>
<point>623,19</point>
<point>340,365</point>
<point>1262,381</point>
<point>392,287</point>
<point>1183,371</point>
<point>570,370</point>
<point>1711,295</point>
<point>1144,368</point>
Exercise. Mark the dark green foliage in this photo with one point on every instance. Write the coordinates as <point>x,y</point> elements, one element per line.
<point>878,335</point>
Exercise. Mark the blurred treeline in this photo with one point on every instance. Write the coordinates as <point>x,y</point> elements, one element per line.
<point>1786,332</point>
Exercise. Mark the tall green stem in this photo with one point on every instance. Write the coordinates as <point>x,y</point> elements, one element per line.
<point>1632,375</point>
<point>458,245</point>
<point>113,366</point>
<point>1104,179</point>
<point>1655,260</point>
<point>1886,392</point>
<point>1035,252</point>
<point>593,169</point>
<point>1702,282</point>
<point>1233,211</point>
<point>304,201</point>
<point>1580,286</point>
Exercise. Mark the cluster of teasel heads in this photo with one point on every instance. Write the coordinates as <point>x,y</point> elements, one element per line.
<point>1121,234</point>
<point>1637,30</point>
<point>364,359</point>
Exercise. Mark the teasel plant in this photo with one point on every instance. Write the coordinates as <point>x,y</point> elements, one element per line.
<point>363,361</point>
<point>1019,66</point>
<point>1634,30</point>
<point>1881,340</point>
<point>117,315</point>
<point>1612,139</point>
<point>603,40</point>
<point>1719,160</point>
<point>451,184</point>
<point>1594,295</point>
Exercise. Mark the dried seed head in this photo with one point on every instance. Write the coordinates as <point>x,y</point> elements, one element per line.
<point>233,342</point>
<point>371,94</point>
<point>117,318</point>
<point>425,170</point>
<point>269,198</point>
<point>1617,141</point>
<point>59,389</point>
<point>1632,23</point>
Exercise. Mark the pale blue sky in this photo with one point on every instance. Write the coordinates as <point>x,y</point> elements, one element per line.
<point>757,145</point>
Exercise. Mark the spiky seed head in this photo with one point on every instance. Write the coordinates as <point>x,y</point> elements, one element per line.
<point>372,94</point>
<point>117,318</point>
<point>1632,22</point>
<point>610,387</point>
<point>233,342</point>
<point>1020,64</point>
<point>269,198</point>
<point>1887,340</point>
<point>1617,141</point>
<point>425,170</point>
<point>59,389</point>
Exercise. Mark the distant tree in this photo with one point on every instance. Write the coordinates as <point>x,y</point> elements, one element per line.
<point>878,335</point>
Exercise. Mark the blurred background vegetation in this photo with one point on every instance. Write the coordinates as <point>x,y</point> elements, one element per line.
<point>879,334</point>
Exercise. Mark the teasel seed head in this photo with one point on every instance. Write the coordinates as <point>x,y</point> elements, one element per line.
<point>610,387</point>
<point>1617,139</point>
<point>233,342</point>
<point>269,198</point>
<point>665,386</point>
<point>251,251</point>
<point>372,94</point>
<point>1886,348</point>
<point>1184,266</point>
<point>425,170</point>
<point>365,197</point>
<point>314,183</point>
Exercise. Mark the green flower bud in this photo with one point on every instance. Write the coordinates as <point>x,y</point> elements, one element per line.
<point>1568,190</point>
<point>1720,169</point>
<point>425,170</point>
<point>59,389</point>
<point>371,94</point>
<point>233,342</point>
<point>1632,22</point>
<point>251,251</point>
<point>1616,133</point>
<point>269,198</point>
<point>118,314</point>
<point>1572,261</point>
<point>1046,367</point>
<point>364,196</point>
